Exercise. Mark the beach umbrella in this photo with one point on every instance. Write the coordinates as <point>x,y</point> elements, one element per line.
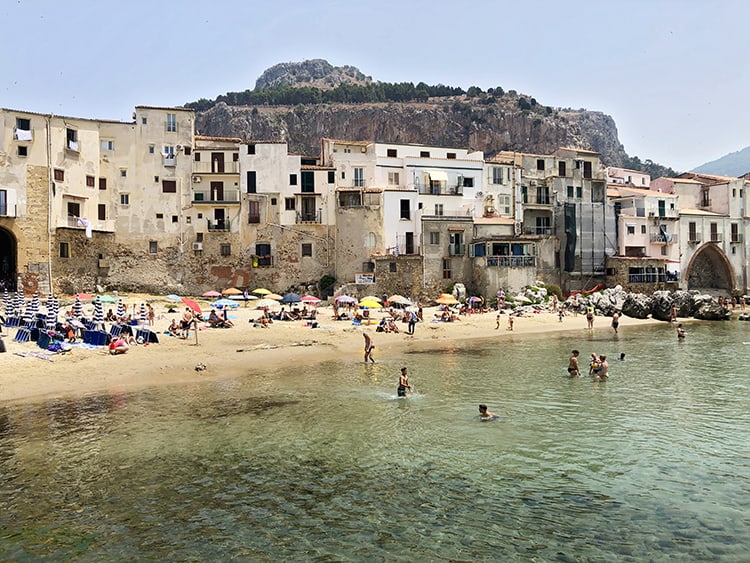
<point>447,299</point>
<point>32,308</point>
<point>371,298</point>
<point>210,293</point>
<point>221,303</point>
<point>399,300</point>
<point>98,313</point>
<point>77,308</point>
<point>243,297</point>
<point>84,296</point>
<point>173,297</point>
<point>231,291</point>
<point>310,299</point>
<point>266,303</point>
<point>19,302</point>
<point>142,315</point>
<point>192,304</point>
<point>8,304</point>
<point>345,299</point>
<point>274,296</point>
<point>120,309</point>
<point>369,304</point>
<point>262,291</point>
<point>106,298</point>
<point>51,312</point>
<point>474,299</point>
<point>291,298</point>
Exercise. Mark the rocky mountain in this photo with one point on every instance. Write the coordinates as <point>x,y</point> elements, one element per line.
<point>440,116</point>
<point>732,164</point>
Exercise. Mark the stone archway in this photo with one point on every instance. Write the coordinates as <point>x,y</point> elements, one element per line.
<point>8,260</point>
<point>709,269</point>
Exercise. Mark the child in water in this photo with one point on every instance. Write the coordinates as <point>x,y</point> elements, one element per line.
<point>485,415</point>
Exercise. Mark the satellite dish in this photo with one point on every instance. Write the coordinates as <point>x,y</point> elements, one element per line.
<point>610,252</point>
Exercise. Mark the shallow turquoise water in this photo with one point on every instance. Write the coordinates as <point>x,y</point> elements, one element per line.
<point>324,463</point>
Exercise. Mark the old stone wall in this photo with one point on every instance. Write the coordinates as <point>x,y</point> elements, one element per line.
<point>32,234</point>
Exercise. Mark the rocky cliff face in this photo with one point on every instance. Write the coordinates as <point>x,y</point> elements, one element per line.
<point>316,73</point>
<point>453,122</point>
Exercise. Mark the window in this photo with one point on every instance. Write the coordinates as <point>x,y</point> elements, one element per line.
<point>735,232</point>
<point>308,182</point>
<point>451,156</point>
<point>692,232</point>
<point>59,175</point>
<point>571,191</point>
<point>263,254</point>
<point>586,169</point>
<point>153,247</point>
<point>393,178</point>
<point>101,212</point>
<point>197,157</point>
<point>392,153</point>
<point>3,202</point>
<point>368,266</point>
<point>579,192</point>
<point>144,120</point>
<point>168,151</point>
<point>370,242</point>
<point>23,151</point>
<point>540,164</point>
<point>123,173</point>
<point>74,209</point>
<point>631,229</point>
<point>405,209</point>
<point>434,238</point>
<point>251,186</point>
<point>643,229</point>
<point>468,182</point>
<point>392,268</point>
<point>188,150</point>
<point>171,122</point>
<point>331,176</point>
<point>289,204</point>
<point>307,249</point>
<point>71,139</point>
<point>424,154</point>
<point>664,250</point>
<point>169,186</point>
<point>359,177</point>
<point>102,183</point>
<point>273,201</point>
<point>497,175</point>
<point>503,204</point>
<point>89,181</point>
<point>160,215</point>
<point>292,179</point>
<point>124,199</point>
<point>235,157</point>
<point>561,171</point>
<point>151,149</point>
<point>175,218</point>
<point>439,209</point>
<point>64,250</point>
<point>447,274</point>
<point>250,149</point>
<point>715,232</point>
<point>108,145</point>
<point>23,124</point>
<point>156,179</point>
<point>254,211</point>
<point>343,175</point>
<point>225,249</point>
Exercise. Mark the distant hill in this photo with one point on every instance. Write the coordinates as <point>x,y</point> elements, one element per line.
<point>298,102</point>
<point>733,164</point>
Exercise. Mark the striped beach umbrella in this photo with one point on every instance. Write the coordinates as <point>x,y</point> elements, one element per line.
<point>8,304</point>
<point>18,303</point>
<point>98,313</point>
<point>77,308</point>
<point>32,308</point>
<point>120,309</point>
<point>143,315</point>
<point>51,313</point>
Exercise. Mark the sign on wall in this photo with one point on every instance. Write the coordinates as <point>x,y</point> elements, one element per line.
<point>364,278</point>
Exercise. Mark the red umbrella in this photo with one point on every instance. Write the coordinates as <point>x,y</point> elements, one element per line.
<point>192,304</point>
<point>309,299</point>
<point>83,296</point>
<point>212,293</point>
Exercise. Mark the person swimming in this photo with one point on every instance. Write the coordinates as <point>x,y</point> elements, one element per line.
<point>485,415</point>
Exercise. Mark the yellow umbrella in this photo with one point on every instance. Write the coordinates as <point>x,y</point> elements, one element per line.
<point>370,304</point>
<point>371,298</point>
<point>262,291</point>
<point>446,300</point>
<point>274,296</point>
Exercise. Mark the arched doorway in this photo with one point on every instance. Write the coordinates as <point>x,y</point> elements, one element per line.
<point>709,269</point>
<point>8,263</point>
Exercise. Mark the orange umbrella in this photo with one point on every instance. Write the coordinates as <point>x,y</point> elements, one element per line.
<point>446,299</point>
<point>274,296</point>
<point>231,291</point>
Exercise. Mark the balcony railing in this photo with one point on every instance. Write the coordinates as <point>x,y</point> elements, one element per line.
<point>208,167</point>
<point>662,238</point>
<point>456,250</point>
<point>694,238</point>
<point>512,261</point>
<point>537,199</point>
<point>217,226</point>
<point>736,238</point>
<point>262,261</point>
<point>207,196</point>
<point>715,237</point>
<point>72,146</point>
<point>22,135</point>
<point>313,217</point>
<point>169,160</point>
<point>439,189</point>
<point>541,231</point>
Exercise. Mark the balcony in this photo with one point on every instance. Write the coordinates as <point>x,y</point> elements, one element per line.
<point>537,199</point>
<point>22,135</point>
<point>694,238</point>
<point>662,238</point>
<point>209,196</point>
<point>539,231</point>
<point>309,217</point>
<point>439,189</point>
<point>169,160</point>
<point>219,226</point>
<point>715,237</point>
<point>456,250</point>
<point>512,261</point>
<point>736,238</point>
<point>216,167</point>
<point>253,218</point>
<point>262,261</point>
<point>72,146</point>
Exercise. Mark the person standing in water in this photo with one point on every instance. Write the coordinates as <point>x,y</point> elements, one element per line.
<point>369,347</point>
<point>574,370</point>
<point>680,331</point>
<point>615,321</point>
<point>403,383</point>
<point>484,414</point>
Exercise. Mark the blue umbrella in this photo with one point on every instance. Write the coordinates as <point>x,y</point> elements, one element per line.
<point>173,297</point>
<point>221,303</point>
<point>291,298</point>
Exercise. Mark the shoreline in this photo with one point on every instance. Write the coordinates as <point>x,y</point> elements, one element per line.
<point>243,350</point>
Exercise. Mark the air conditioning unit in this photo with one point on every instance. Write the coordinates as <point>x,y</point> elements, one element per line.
<point>651,213</point>
<point>179,147</point>
<point>196,179</point>
<point>197,246</point>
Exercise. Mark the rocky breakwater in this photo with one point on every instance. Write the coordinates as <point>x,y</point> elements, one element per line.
<point>657,305</point>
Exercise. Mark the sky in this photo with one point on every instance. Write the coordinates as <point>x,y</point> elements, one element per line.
<point>672,73</point>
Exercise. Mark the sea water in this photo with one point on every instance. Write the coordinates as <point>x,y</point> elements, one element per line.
<point>325,463</point>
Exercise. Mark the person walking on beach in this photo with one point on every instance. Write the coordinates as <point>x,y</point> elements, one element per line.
<point>412,321</point>
<point>403,383</point>
<point>590,316</point>
<point>615,321</point>
<point>574,369</point>
<point>510,322</point>
<point>369,347</point>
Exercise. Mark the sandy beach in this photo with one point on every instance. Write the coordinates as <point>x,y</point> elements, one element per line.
<point>245,348</point>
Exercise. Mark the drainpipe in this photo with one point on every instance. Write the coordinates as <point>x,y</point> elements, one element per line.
<point>50,194</point>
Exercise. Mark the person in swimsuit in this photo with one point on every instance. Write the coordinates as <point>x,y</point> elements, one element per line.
<point>615,321</point>
<point>403,383</point>
<point>573,367</point>
<point>680,331</point>
<point>601,375</point>
<point>369,347</point>
<point>485,415</point>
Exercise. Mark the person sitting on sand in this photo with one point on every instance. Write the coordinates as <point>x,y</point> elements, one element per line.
<point>485,415</point>
<point>173,329</point>
<point>118,346</point>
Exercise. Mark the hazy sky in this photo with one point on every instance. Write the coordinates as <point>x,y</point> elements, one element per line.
<point>674,74</point>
